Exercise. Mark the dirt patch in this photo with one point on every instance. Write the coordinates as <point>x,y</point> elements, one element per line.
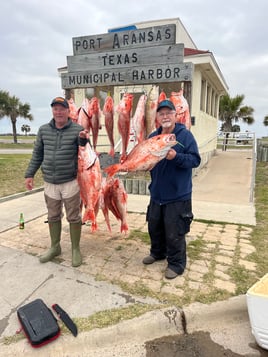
<point>198,344</point>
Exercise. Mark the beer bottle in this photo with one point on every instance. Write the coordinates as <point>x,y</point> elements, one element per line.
<point>21,221</point>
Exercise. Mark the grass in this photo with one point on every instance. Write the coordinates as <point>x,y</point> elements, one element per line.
<point>16,146</point>
<point>12,169</point>
<point>24,142</point>
<point>260,232</point>
<point>19,137</point>
<point>143,236</point>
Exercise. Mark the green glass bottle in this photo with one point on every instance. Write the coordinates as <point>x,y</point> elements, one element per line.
<point>21,221</point>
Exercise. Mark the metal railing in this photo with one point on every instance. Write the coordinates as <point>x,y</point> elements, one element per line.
<point>234,140</point>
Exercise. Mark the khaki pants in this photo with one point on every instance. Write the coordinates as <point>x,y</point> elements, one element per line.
<point>67,195</point>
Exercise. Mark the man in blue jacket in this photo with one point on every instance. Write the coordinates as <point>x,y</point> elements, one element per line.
<point>169,213</point>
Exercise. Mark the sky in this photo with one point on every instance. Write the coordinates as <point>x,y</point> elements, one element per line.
<point>36,37</point>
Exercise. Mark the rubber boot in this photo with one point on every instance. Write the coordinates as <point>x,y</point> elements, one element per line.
<point>75,233</point>
<point>55,249</point>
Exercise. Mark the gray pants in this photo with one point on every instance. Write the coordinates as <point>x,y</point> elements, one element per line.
<point>71,205</point>
<point>67,195</point>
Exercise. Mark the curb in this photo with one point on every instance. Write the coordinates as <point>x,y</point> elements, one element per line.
<point>131,338</point>
<point>21,194</point>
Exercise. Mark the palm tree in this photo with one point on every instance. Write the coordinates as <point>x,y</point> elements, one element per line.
<point>265,120</point>
<point>26,128</point>
<point>11,106</point>
<point>236,128</point>
<point>231,110</point>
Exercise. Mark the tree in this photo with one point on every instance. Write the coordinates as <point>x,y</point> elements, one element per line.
<point>231,111</point>
<point>12,107</point>
<point>236,128</point>
<point>26,128</point>
<point>265,120</point>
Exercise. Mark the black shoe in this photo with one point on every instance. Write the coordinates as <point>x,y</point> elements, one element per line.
<point>171,274</point>
<point>149,260</point>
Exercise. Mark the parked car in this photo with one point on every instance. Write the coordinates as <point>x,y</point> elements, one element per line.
<point>243,138</point>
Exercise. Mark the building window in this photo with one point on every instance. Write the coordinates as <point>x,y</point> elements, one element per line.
<point>208,101</point>
<point>203,95</point>
<point>212,104</point>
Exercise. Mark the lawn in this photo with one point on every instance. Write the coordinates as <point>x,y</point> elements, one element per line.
<point>12,169</point>
<point>24,142</point>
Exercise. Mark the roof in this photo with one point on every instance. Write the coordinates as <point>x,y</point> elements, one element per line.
<point>206,61</point>
<point>193,51</point>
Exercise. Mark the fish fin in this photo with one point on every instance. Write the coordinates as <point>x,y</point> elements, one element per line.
<point>161,153</point>
<point>91,163</point>
<point>124,197</point>
<point>112,169</point>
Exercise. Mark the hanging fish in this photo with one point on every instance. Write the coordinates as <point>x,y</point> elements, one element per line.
<point>84,118</point>
<point>138,120</point>
<point>89,179</point>
<point>94,114</point>
<point>182,108</point>
<point>108,112</point>
<point>162,96</point>
<point>150,110</point>
<point>114,199</point>
<point>124,109</point>
<point>73,110</point>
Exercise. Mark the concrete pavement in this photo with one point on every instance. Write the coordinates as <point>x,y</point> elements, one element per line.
<point>112,277</point>
<point>223,190</point>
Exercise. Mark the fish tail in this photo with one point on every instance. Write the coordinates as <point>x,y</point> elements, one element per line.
<point>112,169</point>
<point>89,215</point>
<point>109,227</point>
<point>94,226</point>
<point>111,152</point>
<point>107,220</point>
<point>124,228</point>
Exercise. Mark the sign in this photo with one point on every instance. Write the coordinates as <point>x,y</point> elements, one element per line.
<point>126,58</point>
<point>125,76</point>
<point>150,36</point>
<point>121,58</point>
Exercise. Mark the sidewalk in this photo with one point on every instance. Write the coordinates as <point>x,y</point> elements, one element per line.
<point>111,262</point>
<point>223,190</point>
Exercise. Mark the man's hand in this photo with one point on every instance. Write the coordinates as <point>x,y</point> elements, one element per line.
<point>83,134</point>
<point>171,154</point>
<point>29,183</point>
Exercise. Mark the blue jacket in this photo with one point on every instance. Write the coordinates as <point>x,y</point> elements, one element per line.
<point>171,180</point>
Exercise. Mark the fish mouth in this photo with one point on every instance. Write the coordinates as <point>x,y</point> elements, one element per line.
<point>171,137</point>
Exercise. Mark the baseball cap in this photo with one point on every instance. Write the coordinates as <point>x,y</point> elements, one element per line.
<point>165,104</point>
<point>61,101</point>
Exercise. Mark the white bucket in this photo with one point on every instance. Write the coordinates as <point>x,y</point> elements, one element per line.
<point>257,302</point>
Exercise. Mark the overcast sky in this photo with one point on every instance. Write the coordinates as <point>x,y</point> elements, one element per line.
<point>36,36</point>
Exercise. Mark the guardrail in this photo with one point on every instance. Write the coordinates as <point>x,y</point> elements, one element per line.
<point>232,140</point>
<point>262,150</point>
